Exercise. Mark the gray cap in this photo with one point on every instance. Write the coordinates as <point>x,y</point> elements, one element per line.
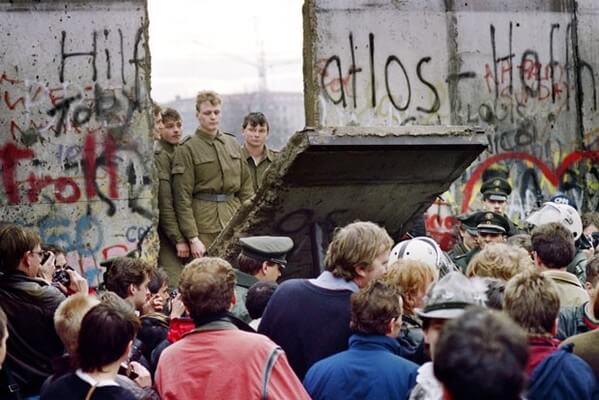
<point>267,248</point>
<point>448,298</point>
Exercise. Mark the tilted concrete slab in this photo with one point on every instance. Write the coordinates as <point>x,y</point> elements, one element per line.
<point>329,177</point>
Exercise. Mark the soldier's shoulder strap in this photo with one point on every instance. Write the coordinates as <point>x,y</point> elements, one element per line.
<point>186,139</point>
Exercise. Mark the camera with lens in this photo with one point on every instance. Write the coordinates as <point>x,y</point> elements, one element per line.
<point>62,276</point>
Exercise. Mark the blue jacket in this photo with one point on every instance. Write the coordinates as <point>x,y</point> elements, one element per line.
<point>563,375</point>
<point>369,369</point>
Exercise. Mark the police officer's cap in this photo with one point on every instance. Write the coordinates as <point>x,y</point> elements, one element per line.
<point>496,189</point>
<point>491,222</point>
<point>108,262</point>
<point>469,222</point>
<point>267,248</point>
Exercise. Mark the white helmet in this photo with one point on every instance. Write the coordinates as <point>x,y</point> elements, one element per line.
<point>420,248</point>
<point>562,213</point>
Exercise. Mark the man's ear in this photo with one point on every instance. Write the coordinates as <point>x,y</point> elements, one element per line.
<point>264,267</point>
<point>131,289</point>
<point>361,269</point>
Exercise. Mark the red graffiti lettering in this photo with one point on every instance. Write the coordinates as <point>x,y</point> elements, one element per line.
<point>36,185</point>
<point>89,165</point>
<point>9,158</point>
<point>11,105</point>
<point>108,252</point>
<point>109,151</point>
<point>61,184</point>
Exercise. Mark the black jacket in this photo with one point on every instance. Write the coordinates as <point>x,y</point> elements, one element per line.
<point>29,304</point>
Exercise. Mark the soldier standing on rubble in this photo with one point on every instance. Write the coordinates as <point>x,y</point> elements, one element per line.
<point>210,178</point>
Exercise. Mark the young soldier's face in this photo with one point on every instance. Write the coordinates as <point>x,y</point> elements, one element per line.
<point>171,132</point>
<point>255,135</point>
<point>209,116</point>
<point>157,126</point>
<point>497,206</point>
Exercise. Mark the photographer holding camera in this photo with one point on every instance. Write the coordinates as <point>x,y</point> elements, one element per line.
<point>29,303</point>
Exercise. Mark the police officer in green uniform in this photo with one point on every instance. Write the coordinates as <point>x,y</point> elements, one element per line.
<point>491,227</point>
<point>495,193</point>
<point>255,130</point>
<point>174,249</point>
<point>468,236</point>
<point>262,258</point>
<point>210,177</point>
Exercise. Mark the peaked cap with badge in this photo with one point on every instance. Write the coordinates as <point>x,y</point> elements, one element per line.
<point>267,248</point>
<point>491,222</point>
<point>496,189</point>
<point>469,222</point>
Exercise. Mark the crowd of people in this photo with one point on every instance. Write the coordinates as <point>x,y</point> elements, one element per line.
<point>511,312</point>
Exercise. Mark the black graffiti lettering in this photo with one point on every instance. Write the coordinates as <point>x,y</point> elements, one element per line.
<point>372,73</point>
<point>62,108</point>
<point>137,62</point>
<point>341,98</point>
<point>353,70</point>
<point>437,102</point>
<point>81,115</point>
<point>583,65</point>
<point>391,59</point>
<point>552,62</point>
<point>295,221</point>
<point>486,113</point>
<point>106,103</point>
<point>122,52</point>
<point>63,55</point>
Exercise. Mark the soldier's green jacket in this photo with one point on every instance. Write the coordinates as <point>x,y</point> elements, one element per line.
<point>463,260</point>
<point>257,171</point>
<point>457,250</point>
<point>243,283</point>
<point>210,165</point>
<point>167,220</point>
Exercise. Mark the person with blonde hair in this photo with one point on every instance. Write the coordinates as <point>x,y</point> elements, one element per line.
<point>210,177</point>
<point>309,318</point>
<point>413,278</point>
<point>371,368</point>
<point>532,300</point>
<point>499,260</point>
<point>217,360</point>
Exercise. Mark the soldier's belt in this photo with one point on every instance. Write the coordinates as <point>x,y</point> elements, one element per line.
<point>215,197</point>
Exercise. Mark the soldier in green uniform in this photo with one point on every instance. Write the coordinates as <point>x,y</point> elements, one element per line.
<point>255,129</point>
<point>495,193</point>
<point>174,248</point>
<point>262,258</point>
<point>210,177</point>
<point>468,236</point>
<point>491,227</point>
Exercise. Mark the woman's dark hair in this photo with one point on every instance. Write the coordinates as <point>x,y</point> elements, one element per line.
<point>104,336</point>
<point>158,278</point>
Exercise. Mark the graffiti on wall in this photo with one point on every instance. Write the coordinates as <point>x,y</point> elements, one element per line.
<point>520,76</point>
<point>75,151</point>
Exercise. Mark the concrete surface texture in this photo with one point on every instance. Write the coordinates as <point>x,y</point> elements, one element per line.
<point>525,69</point>
<point>76,149</point>
<point>330,177</point>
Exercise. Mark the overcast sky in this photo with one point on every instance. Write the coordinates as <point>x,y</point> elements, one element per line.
<point>213,44</point>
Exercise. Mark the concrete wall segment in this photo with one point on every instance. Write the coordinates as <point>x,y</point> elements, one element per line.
<point>528,70</point>
<point>76,150</point>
